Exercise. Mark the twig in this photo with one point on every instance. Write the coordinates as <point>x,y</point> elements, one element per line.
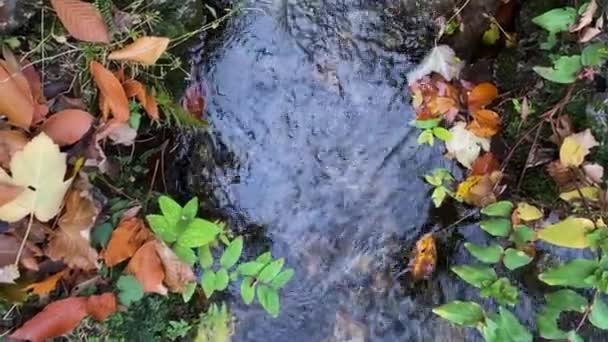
<point>25,237</point>
<point>534,143</point>
<point>459,221</point>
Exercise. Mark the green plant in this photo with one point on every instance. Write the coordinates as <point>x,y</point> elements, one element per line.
<point>438,179</point>
<point>178,329</point>
<point>430,131</point>
<point>181,228</point>
<point>215,325</point>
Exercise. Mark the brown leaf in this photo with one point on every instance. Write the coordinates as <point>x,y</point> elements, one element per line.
<point>56,319</point>
<point>178,274</point>
<point>121,134</point>
<point>561,175</point>
<point>82,20</point>
<point>73,249</point>
<point>68,127</point>
<point>424,258</point>
<point>135,89</point>
<point>594,172</point>
<point>147,267</point>
<point>9,246</point>
<point>11,141</point>
<point>145,50</point>
<point>479,190</point>
<point>586,18</point>
<point>80,212</point>
<point>8,192</point>
<point>47,285</point>
<point>482,95</point>
<point>562,127</point>
<point>102,306</point>
<point>15,102</point>
<point>126,239</point>
<point>486,123</point>
<point>484,164</point>
<point>194,100</point>
<point>112,91</point>
<point>589,33</point>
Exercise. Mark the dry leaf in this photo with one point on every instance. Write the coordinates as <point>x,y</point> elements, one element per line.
<point>562,127</point>
<point>424,258</point>
<point>588,34</point>
<point>486,123</point>
<point>145,50</point>
<point>464,145</point>
<point>194,100</point>
<point>9,245</point>
<point>561,175</point>
<point>80,212</point>
<point>482,95</point>
<point>68,127</point>
<point>594,172</point>
<point>484,165</point>
<point>126,239</point>
<point>82,20</point>
<point>9,273</point>
<point>576,147</point>
<point>590,193</point>
<point>147,267</point>
<point>45,287</point>
<point>102,306</point>
<point>11,141</point>
<point>441,105</point>
<point>74,249</point>
<point>9,192</point>
<point>39,168</point>
<point>442,60</point>
<point>134,88</point>
<point>586,18</point>
<point>178,274</point>
<point>479,190</point>
<point>122,134</point>
<point>112,91</point>
<point>16,104</point>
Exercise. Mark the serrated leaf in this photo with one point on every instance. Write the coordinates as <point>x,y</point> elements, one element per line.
<point>496,227</point>
<point>171,210</point>
<point>565,70</point>
<point>515,259</point>
<point>271,271</point>
<point>208,282</point>
<point>487,254</point>
<point>571,274</point>
<point>162,228</point>
<point>248,290</point>
<point>499,209</point>
<point>599,314</point>
<point>199,233</point>
<point>282,279</point>
<point>461,313</point>
<point>145,50</point>
<point>232,253</point>
<point>82,20</point>
<point>130,290</point>
<point>571,233</point>
<point>476,275</point>
<point>221,279</point>
<point>204,257</point>
<point>251,268</point>
<point>269,298</point>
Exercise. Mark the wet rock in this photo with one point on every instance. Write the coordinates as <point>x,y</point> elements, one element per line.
<point>15,13</point>
<point>348,330</point>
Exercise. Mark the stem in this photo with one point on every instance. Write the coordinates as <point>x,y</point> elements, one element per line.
<point>27,234</point>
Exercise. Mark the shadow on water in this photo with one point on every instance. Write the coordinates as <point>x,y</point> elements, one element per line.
<point>311,145</point>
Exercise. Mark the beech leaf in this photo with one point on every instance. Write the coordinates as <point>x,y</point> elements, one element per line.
<point>126,239</point>
<point>145,50</point>
<point>82,20</point>
<point>147,267</point>
<point>178,274</point>
<point>112,91</point>
<point>68,127</point>
<point>136,89</point>
<point>15,103</point>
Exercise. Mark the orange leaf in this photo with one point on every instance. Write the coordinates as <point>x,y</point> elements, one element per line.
<point>484,164</point>
<point>194,100</point>
<point>178,274</point>
<point>11,141</point>
<point>9,192</point>
<point>482,95</point>
<point>147,267</point>
<point>145,50</point>
<point>15,99</point>
<point>424,258</point>
<point>112,91</point>
<point>56,319</point>
<point>126,239</point>
<point>134,88</point>
<point>82,20</point>
<point>441,105</point>
<point>80,212</point>
<point>102,306</point>
<point>46,286</point>
<point>486,123</point>
<point>68,127</point>
<point>479,190</point>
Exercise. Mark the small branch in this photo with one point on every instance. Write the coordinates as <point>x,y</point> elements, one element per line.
<point>25,237</point>
<point>530,152</point>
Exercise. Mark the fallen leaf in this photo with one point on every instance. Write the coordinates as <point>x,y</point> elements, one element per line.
<point>147,267</point>
<point>586,18</point>
<point>145,50</point>
<point>194,100</point>
<point>479,190</point>
<point>40,169</point>
<point>482,95</point>
<point>112,91</point>
<point>589,33</point>
<point>102,306</point>
<point>9,273</point>
<point>527,212</point>
<point>562,127</point>
<point>9,245</point>
<point>594,172</point>
<point>74,249</point>
<point>576,147</point>
<point>441,105</point>
<point>82,20</point>
<point>424,258</point>
<point>122,134</point>
<point>11,141</point>
<point>561,175</point>
<point>464,145</point>
<point>178,274</point>
<point>14,102</point>
<point>486,123</point>
<point>570,233</point>
<point>80,212</point>
<point>136,89</point>
<point>442,60</point>
<point>45,287</point>
<point>590,193</point>
<point>485,164</point>
<point>68,127</point>
<point>126,239</point>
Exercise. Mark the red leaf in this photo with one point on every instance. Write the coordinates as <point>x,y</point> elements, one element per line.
<point>82,20</point>
<point>102,306</point>
<point>68,127</point>
<point>485,164</point>
<point>134,88</point>
<point>112,92</point>
<point>147,267</point>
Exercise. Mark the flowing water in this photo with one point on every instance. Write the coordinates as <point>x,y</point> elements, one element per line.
<point>309,111</point>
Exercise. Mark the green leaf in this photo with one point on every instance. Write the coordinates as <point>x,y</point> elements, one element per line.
<point>205,258</point>
<point>282,279</point>
<point>186,254</point>
<point>171,210</point>
<point>433,179</point>
<point>546,322</point>
<point>427,124</point>
<point>475,275</point>
<point>251,268</point>
<point>269,298</point>
<point>199,233</point>
<point>496,227</point>
<point>101,235</point>
<point>490,254</point>
<point>502,291</point>
<point>135,120</point>
<point>248,290</point>
<point>130,290</point>
<point>271,271</point>
<point>565,70</point>
<point>221,279</point>
<point>442,133</point>
<point>491,35</point>
<point>555,21</point>
<point>232,253</point>
<point>439,195</point>
<point>190,210</point>
<point>208,282</point>
<point>566,300</point>
<point>515,259</point>
<point>521,235</point>
<point>570,274</point>
<point>574,337</point>
<point>594,54</point>
<point>426,137</point>
<point>264,258</point>
<point>570,233</point>
<point>188,292</point>
<point>500,209</point>
<point>511,328</point>
<point>161,227</point>
<point>461,313</point>
<point>599,314</point>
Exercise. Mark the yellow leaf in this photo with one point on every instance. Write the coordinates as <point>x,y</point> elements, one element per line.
<point>145,50</point>
<point>424,258</point>
<point>570,233</point>
<point>47,285</point>
<point>589,192</point>
<point>527,212</point>
<point>576,147</point>
<point>40,169</point>
<point>492,35</point>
